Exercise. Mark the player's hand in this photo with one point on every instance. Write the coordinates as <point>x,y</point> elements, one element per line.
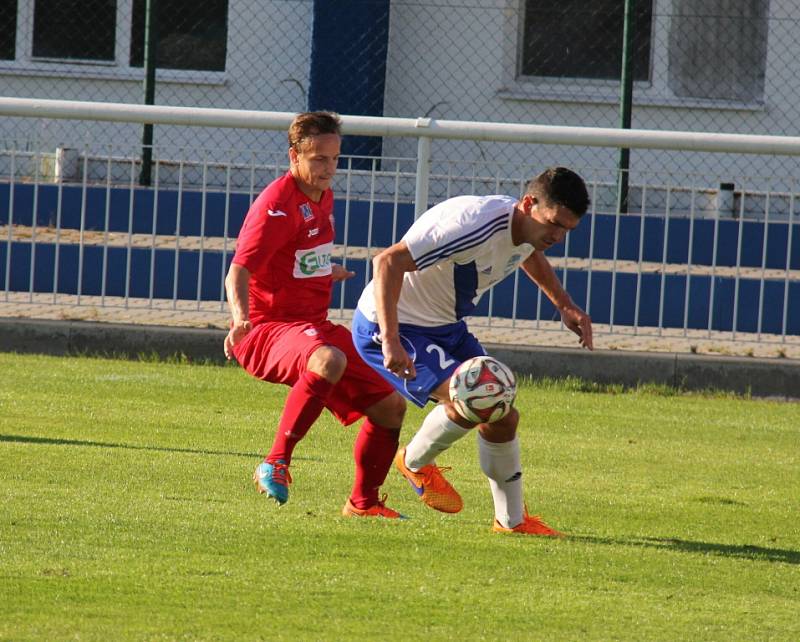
<point>339,273</point>
<point>237,332</point>
<point>580,323</point>
<point>396,359</point>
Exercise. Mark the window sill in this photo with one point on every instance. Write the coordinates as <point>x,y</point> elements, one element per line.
<point>111,72</point>
<point>645,98</point>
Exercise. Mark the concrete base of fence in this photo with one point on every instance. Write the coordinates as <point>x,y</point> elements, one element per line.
<point>758,377</point>
<point>113,339</point>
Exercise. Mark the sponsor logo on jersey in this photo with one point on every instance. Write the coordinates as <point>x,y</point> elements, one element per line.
<point>313,232</point>
<point>305,210</point>
<point>275,213</point>
<point>311,332</point>
<point>313,261</point>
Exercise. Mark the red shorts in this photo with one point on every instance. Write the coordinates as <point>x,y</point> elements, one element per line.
<point>278,352</point>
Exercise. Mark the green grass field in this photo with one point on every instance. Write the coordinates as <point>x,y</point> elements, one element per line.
<point>128,513</point>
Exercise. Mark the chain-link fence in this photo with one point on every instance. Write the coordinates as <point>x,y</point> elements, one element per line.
<point>717,65</point>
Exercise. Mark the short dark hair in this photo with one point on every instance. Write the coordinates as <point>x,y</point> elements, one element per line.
<point>313,123</point>
<point>560,186</point>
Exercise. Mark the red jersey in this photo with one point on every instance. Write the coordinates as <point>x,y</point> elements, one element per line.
<point>286,243</point>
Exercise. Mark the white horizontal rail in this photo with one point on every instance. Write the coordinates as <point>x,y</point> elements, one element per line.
<point>412,127</point>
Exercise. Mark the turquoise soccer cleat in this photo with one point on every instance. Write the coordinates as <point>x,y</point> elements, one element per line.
<point>273,479</point>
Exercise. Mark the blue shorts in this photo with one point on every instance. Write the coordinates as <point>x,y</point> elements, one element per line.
<point>436,352</point>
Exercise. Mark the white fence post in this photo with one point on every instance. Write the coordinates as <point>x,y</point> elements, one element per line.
<point>423,170</point>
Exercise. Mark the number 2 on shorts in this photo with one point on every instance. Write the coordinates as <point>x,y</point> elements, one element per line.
<point>444,362</point>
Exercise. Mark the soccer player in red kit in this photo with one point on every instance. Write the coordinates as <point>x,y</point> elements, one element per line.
<point>279,290</point>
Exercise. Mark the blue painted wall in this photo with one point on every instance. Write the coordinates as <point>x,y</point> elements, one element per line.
<point>629,231</point>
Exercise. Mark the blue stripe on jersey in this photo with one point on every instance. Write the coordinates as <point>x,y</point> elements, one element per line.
<point>465,282</point>
<point>465,245</point>
<point>484,232</point>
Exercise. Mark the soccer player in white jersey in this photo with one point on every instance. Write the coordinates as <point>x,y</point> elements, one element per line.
<point>409,324</point>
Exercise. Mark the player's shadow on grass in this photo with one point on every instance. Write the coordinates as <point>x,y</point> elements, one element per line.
<point>755,553</point>
<point>21,439</point>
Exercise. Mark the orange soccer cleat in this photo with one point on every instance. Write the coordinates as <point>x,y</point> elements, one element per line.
<point>378,510</point>
<point>531,525</point>
<point>431,486</point>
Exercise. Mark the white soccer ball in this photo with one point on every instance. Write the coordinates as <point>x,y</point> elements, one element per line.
<point>483,390</point>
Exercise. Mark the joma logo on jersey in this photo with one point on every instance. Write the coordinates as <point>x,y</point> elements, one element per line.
<point>314,261</point>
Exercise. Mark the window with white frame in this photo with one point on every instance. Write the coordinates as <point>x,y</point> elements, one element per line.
<point>683,51</point>
<point>718,49</point>
<point>68,31</point>
<point>579,39</point>
<point>190,34</point>
<point>8,28</point>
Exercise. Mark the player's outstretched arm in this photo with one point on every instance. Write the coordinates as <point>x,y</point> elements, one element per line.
<point>389,267</point>
<point>236,283</point>
<point>538,268</point>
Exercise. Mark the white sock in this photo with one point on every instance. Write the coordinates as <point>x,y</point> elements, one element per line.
<point>436,435</point>
<point>502,464</point>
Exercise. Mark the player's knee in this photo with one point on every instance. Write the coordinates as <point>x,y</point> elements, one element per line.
<point>455,416</point>
<point>502,430</point>
<point>510,421</point>
<point>328,362</point>
<point>397,408</point>
<point>389,411</point>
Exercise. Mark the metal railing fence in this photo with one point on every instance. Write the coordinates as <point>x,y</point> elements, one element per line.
<point>76,228</point>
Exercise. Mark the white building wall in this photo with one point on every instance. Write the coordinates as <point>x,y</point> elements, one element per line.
<point>267,62</point>
<point>447,59</point>
<point>472,71</point>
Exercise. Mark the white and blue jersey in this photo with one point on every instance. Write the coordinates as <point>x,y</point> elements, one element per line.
<point>462,247</point>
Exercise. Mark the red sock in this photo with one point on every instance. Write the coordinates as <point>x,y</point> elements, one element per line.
<point>303,405</point>
<point>373,451</point>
